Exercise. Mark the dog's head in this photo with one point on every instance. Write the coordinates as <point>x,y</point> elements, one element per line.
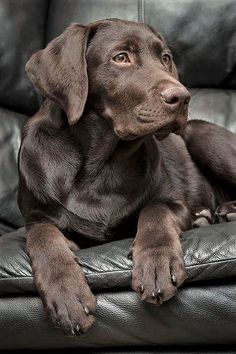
<point>123,70</point>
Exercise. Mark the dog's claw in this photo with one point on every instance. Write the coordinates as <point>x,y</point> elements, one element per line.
<point>78,330</point>
<point>71,333</point>
<point>78,261</point>
<point>159,297</point>
<point>141,288</point>
<point>130,255</point>
<point>86,310</point>
<point>57,324</point>
<point>174,280</point>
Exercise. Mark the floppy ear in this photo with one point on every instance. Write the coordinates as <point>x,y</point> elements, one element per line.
<point>60,71</point>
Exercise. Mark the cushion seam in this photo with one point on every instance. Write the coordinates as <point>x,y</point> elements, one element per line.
<point>121,270</point>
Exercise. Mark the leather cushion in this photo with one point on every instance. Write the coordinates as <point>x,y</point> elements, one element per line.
<point>209,254</point>
<point>197,315</point>
<point>213,105</point>
<point>64,12</point>
<point>22,33</point>
<point>11,124</point>
<point>202,34</point>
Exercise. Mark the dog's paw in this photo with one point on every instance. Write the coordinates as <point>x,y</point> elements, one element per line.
<point>69,301</point>
<point>226,212</point>
<point>157,273</point>
<point>202,216</point>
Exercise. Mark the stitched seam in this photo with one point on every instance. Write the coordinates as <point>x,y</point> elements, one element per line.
<point>127,270</point>
<point>19,277</point>
<point>213,262</point>
<point>141,10</point>
<point>187,267</point>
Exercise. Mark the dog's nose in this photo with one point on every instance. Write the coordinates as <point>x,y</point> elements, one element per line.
<point>175,96</point>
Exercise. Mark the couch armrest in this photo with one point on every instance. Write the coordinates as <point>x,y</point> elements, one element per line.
<point>210,253</point>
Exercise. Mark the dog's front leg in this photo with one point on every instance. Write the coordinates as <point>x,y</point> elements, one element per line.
<point>158,265</point>
<point>59,279</point>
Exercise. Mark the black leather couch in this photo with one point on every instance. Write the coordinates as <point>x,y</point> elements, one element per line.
<point>202,35</point>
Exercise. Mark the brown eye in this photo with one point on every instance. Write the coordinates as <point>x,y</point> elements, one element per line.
<point>166,59</point>
<point>121,58</point>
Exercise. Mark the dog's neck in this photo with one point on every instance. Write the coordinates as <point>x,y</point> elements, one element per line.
<point>98,140</point>
<point>92,133</point>
<point>95,135</point>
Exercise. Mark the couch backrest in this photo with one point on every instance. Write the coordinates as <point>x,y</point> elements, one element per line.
<point>22,32</point>
<point>201,33</point>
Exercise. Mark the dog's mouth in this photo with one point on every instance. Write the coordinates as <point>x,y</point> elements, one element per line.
<point>127,136</point>
<point>176,127</point>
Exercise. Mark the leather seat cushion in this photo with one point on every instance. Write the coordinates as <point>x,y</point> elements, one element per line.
<point>198,315</point>
<point>209,254</point>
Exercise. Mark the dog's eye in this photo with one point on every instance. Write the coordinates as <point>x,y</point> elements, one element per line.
<point>121,58</point>
<point>166,58</point>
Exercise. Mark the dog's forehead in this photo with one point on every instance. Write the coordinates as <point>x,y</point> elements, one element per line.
<point>131,34</point>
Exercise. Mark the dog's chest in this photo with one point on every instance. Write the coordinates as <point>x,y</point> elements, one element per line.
<point>105,200</point>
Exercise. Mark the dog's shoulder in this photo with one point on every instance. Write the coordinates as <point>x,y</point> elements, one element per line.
<point>48,159</point>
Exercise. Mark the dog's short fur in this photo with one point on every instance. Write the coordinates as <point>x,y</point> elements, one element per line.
<point>100,159</point>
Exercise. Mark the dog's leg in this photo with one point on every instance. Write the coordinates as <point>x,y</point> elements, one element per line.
<point>213,148</point>
<point>158,264</point>
<point>60,280</point>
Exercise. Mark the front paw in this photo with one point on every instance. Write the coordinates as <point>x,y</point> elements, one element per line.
<point>157,273</point>
<point>226,212</point>
<point>68,300</point>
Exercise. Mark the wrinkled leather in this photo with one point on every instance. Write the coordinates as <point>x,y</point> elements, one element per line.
<point>202,33</point>
<point>209,254</point>
<point>11,124</point>
<point>22,33</point>
<point>199,314</point>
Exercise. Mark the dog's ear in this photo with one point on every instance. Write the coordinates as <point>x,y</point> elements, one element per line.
<point>60,71</point>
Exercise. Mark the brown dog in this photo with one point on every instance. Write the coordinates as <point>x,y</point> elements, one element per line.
<point>99,159</point>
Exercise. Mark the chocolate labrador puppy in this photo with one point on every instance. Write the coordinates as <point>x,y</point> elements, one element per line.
<point>100,160</point>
